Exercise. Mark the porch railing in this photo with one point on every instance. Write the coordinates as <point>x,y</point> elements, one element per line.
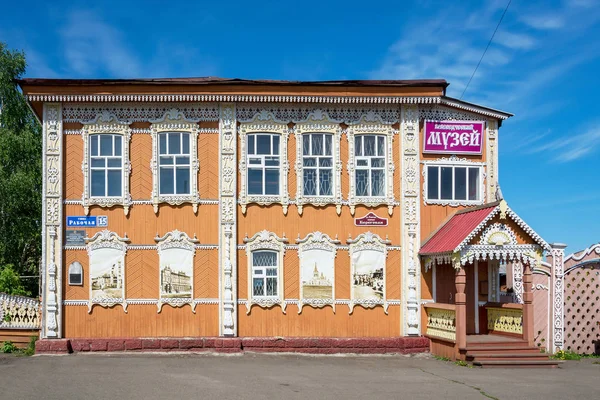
<point>505,318</point>
<point>441,321</point>
<point>18,312</point>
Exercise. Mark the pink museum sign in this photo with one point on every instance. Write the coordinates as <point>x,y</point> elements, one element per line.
<point>453,137</point>
<point>371,219</point>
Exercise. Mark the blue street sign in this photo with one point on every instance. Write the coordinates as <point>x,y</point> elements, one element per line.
<point>87,222</point>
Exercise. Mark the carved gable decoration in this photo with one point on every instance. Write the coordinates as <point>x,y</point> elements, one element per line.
<point>269,242</point>
<point>106,123</point>
<point>498,234</point>
<point>264,122</point>
<point>318,122</point>
<point>106,251</point>
<point>317,253</point>
<point>175,121</point>
<point>371,124</point>
<point>176,269</point>
<point>368,253</point>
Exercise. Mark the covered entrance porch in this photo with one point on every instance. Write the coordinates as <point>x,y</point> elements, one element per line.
<point>474,316</point>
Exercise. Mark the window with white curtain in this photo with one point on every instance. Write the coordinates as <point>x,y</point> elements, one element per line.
<point>265,273</point>
<point>264,164</point>
<point>106,165</point>
<point>317,164</point>
<point>174,163</point>
<point>369,158</point>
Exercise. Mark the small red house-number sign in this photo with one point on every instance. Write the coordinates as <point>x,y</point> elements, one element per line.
<point>370,220</point>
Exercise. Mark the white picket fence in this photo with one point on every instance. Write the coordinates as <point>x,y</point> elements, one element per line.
<point>18,312</point>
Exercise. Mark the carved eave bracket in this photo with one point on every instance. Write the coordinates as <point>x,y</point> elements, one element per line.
<point>106,123</point>
<point>317,241</point>
<point>264,122</point>
<point>266,240</point>
<point>372,124</point>
<point>372,242</point>
<point>318,121</point>
<point>177,240</point>
<point>106,239</point>
<point>175,121</point>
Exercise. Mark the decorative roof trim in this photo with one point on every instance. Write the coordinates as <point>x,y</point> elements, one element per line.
<point>477,229</point>
<point>584,253</point>
<point>463,105</point>
<point>527,229</point>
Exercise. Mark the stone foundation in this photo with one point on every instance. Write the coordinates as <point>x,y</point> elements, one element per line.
<point>401,345</point>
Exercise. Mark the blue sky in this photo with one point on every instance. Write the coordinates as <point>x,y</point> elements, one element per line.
<point>542,66</point>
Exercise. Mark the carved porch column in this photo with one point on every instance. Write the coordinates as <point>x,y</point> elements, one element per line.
<point>558,296</point>
<point>527,303</point>
<point>52,222</point>
<point>227,220</point>
<point>460,301</point>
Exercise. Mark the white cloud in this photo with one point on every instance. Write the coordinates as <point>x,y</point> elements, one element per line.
<point>519,41</point>
<point>573,147</point>
<point>547,21</point>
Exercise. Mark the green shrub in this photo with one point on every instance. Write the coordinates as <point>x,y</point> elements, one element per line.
<point>30,350</point>
<point>566,355</point>
<point>8,347</point>
<point>10,283</point>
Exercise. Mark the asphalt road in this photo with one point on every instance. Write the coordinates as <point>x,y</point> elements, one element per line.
<point>257,376</point>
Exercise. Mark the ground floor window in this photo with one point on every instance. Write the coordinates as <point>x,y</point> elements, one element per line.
<point>264,274</point>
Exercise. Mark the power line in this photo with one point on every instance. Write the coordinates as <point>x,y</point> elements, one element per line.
<point>486,48</point>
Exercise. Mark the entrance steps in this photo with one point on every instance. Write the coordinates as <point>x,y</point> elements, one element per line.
<point>508,354</point>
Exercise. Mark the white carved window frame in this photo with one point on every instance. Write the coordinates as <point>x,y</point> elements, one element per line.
<point>318,122</point>
<point>452,162</point>
<point>106,123</point>
<point>368,241</point>
<point>371,124</point>
<point>180,241</point>
<point>175,121</point>
<point>269,241</point>
<point>316,241</point>
<point>264,122</point>
<point>106,239</point>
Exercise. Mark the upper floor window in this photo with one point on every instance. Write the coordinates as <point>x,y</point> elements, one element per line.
<point>453,184</point>
<point>174,163</point>
<point>369,156</point>
<point>317,164</point>
<point>106,165</point>
<point>265,274</point>
<point>264,164</point>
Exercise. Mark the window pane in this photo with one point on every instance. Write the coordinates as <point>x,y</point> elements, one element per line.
<point>255,181</point>
<point>98,183</point>
<point>183,180</point>
<point>94,145</point>
<point>325,162</point>
<point>251,144</point>
<point>263,144</point>
<point>473,183</point>
<point>275,144</point>
<point>264,259</point>
<point>117,145</point>
<point>182,160</point>
<point>328,145</point>
<point>162,143</point>
<point>185,139</point>
<point>166,184</point>
<point>272,181</point>
<point>272,161</point>
<point>378,182</point>
<point>114,162</point>
<point>310,182</point>
<point>460,183</point>
<point>271,286</point>
<point>358,146</point>
<point>317,145</point>
<point>432,183</point>
<point>114,183</point>
<point>325,182</point>
<point>166,161</point>
<point>255,161</point>
<point>370,145</point>
<point>174,143</point>
<point>310,162</point>
<point>98,162</point>
<point>306,145</point>
<point>271,271</point>
<point>258,287</point>
<point>106,145</point>
<point>380,145</point>
<point>362,182</point>
<point>446,183</point>
<point>377,162</point>
<point>362,163</point>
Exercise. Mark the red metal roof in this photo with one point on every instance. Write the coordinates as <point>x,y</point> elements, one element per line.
<point>456,229</point>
